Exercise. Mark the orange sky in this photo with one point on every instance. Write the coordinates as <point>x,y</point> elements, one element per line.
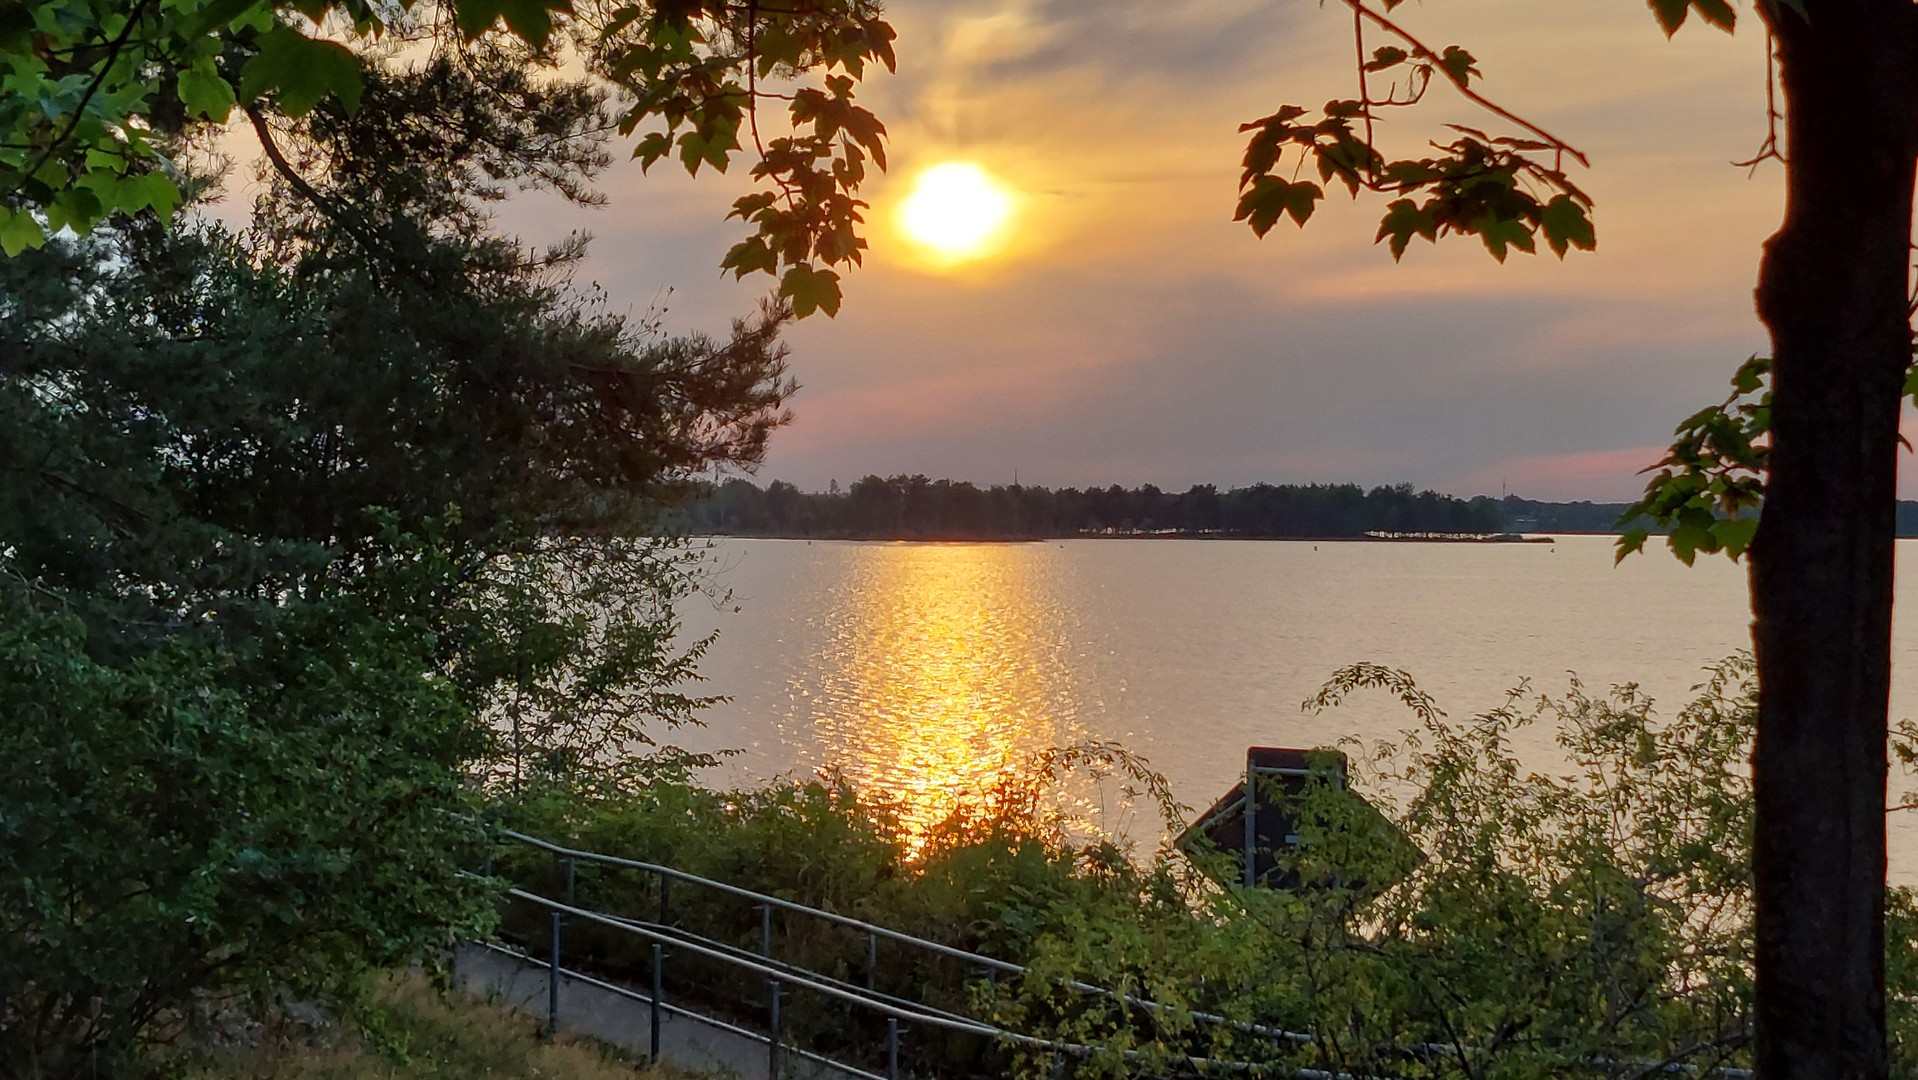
<point>1130,332</point>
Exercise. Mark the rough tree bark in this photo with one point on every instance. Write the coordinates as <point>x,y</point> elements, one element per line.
<point>1833,292</point>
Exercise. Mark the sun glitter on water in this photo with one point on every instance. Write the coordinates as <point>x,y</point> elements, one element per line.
<point>957,212</point>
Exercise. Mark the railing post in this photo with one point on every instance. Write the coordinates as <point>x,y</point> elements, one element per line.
<point>892,1048</point>
<point>1251,822</point>
<point>772,1060</point>
<point>659,985</point>
<point>665,898</point>
<point>872,959</point>
<point>552,977</point>
<point>766,930</point>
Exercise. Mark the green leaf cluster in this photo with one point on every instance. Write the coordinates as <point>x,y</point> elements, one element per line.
<point>1507,190</point>
<point>206,827</point>
<point>92,93</point>
<point>1707,491</point>
<point>1481,185</point>
<point>694,73</point>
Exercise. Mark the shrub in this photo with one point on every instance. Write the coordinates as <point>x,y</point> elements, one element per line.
<point>1593,916</point>
<point>201,826</point>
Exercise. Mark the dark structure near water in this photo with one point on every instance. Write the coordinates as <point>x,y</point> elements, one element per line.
<point>1264,828</point>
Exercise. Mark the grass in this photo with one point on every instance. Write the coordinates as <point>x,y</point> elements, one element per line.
<point>412,1032</point>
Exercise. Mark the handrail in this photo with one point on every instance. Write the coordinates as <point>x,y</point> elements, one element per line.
<point>1003,966</point>
<point>678,934</point>
<point>885,1003</point>
<point>971,1027</point>
<point>967,1027</point>
<point>679,1010</point>
<point>788,905</point>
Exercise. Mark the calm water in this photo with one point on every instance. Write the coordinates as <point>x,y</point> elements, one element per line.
<point>926,670</point>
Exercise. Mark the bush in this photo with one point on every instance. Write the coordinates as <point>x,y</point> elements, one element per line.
<point>1584,919</point>
<point>985,882</point>
<point>203,826</point>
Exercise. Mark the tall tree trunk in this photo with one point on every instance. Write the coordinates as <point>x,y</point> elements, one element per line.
<point>1832,291</point>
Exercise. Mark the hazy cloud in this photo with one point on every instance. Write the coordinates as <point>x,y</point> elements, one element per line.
<point>1133,333</point>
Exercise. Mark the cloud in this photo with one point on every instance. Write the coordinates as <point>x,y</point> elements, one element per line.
<point>1134,333</point>
<point>1598,475</point>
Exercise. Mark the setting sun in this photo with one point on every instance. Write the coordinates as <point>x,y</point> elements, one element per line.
<point>956,211</point>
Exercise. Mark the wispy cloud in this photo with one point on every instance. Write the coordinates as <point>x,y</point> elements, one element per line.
<point>1133,333</point>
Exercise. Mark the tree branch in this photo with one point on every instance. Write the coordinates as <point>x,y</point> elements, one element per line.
<point>1424,51</point>
<point>93,88</point>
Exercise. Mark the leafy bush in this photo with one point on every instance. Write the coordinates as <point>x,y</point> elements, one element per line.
<point>201,826</point>
<point>298,512</point>
<point>984,880</point>
<point>1591,917</point>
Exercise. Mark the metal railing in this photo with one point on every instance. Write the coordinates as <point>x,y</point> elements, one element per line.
<point>993,967</point>
<point>780,977</point>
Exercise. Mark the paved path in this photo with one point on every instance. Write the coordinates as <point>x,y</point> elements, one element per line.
<point>685,1042</point>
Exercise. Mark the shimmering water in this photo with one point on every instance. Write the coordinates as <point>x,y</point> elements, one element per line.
<point>927,670</point>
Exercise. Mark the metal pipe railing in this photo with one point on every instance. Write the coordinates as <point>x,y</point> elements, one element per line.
<point>894,1012</point>
<point>895,1009</point>
<point>874,931</point>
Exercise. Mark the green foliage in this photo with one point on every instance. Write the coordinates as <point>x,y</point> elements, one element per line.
<point>694,69</point>
<point>1709,486</point>
<point>94,91</point>
<point>1708,490</point>
<point>1587,916</point>
<point>1598,912</point>
<point>203,825</point>
<point>407,1029</point>
<point>299,71</point>
<point>985,880</point>
<point>301,515</point>
<point>1508,190</point>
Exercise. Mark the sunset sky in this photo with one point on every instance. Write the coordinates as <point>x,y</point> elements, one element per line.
<point>1127,330</point>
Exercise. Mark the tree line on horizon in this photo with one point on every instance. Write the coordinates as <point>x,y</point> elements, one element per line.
<point>901,506</point>
<point>916,506</point>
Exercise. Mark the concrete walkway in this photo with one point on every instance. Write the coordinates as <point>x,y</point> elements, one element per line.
<point>685,1042</point>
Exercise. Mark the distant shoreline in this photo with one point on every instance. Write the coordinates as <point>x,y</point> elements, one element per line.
<point>1491,538</point>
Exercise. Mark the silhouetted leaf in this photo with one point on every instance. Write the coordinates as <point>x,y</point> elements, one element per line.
<point>811,290</point>
<point>299,71</point>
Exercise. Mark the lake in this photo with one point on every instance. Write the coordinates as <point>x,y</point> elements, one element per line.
<point>928,670</point>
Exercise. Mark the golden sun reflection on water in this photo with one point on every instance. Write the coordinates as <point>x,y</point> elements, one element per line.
<point>949,671</point>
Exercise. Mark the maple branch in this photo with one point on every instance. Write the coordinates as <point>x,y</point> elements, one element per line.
<point>269,145</point>
<point>1424,51</point>
<point>752,98</point>
<point>93,88</point>
<point>1768,150</point>
<point>752,75</point>
<point>1365,97</point>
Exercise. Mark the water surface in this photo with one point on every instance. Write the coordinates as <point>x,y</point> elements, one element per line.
<point>928,670</point>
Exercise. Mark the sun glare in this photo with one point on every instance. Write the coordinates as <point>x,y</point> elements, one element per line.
<point>956,211</point>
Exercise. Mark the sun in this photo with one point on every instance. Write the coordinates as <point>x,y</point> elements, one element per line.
<point>956,211</point>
